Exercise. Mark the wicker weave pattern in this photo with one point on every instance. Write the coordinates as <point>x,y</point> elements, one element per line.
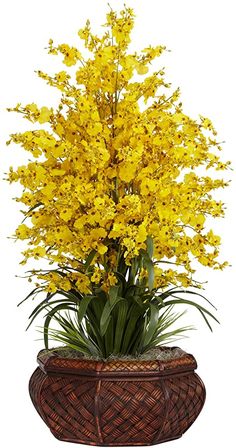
<point>35,385</point>
<point>122,410</point>
<point>187,396</point>
<point>131,411</point>
<point>68,406</point>
<point>51,362</point>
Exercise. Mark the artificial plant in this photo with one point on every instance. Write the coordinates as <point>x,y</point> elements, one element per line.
<point>115,205</point>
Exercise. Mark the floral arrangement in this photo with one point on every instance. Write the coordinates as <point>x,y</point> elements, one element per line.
<point>115,203</point>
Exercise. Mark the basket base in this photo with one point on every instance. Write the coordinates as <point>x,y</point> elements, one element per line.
<point>86,442</point>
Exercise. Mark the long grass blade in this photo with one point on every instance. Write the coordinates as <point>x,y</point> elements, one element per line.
<point>120,326</point>
<point>106,314</point>
<point>135,313</point>
<point>196,305</point>
<point>83,307</point>
<point>49,318</point>
<point>152,325</point>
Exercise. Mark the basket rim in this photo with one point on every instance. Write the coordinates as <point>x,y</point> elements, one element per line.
<point>55,363</point>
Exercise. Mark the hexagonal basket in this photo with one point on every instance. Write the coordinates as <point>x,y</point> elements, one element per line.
<point>118,402</point>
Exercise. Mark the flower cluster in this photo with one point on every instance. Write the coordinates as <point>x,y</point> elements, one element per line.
<point>117,164</point>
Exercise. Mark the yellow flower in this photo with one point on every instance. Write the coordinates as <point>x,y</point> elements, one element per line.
<point>57,172</point>
<point>49,190</point>
<point>197,221</point>
<point>38,252</point>
<point>65,284</point>
<point>51,287</point>
<point>102,249</point>
<point>97,275</point>
<point>71,54</point>
<point>32,108</point>
<point>142,233</point>
<point>141,69</point>
<point>79,223</point>
<point>45,115</point>
<point>22,232</point>
<point>127,172</point>
<point>62,235</point>
<point>118,161</point>
<point>62,76</point>
<point>98,233</point>
<point>112,280</point>
<point>66,214</point>
<point>83,283</point>
<point>212,239</point>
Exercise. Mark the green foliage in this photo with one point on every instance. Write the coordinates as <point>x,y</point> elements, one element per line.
<point>130,318</point>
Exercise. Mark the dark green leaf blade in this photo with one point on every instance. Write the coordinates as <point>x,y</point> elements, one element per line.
<point>106,315</point>
<point>120,325</point>
<point>89,259</point>
<point>152,325</point>
<point>150,247</point>
<point>83,307</point>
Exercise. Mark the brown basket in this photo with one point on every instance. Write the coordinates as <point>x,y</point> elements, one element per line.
<point>117,403</point>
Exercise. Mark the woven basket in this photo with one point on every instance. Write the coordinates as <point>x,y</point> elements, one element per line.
<point>117,403</point>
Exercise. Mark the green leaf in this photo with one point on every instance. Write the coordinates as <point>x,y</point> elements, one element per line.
<point>31,209</point>
<point>44,302</point>
<point>152,325</point>
<point>131,327</point>
<point>206,320</point>
<point>106,315</point>
<point>44,305</point>
<point>164,295</point>
<point>175,289</point>
<point>109,337</point>
<point>72,294</point>
<point>104,326</point>
<point>30,294</point>
<point>168,337</point>
<point>49,317</point>
<point>196,305</point>
<point>113,294</point>
<point>149,244</point>
<point>135,345</point>
<point>93,330</point>
<point>148,264</point>
<point>72,338</point>
<point>89,259</point>
<point>200,295</point>
<point>143,305</point>
<point>83,307</point>
<point>166,320</point>
<point>120,325</point>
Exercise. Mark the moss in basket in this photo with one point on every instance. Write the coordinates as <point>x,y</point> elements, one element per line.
<point>114,202</point>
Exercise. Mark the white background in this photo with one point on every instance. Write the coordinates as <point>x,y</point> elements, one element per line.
<point>201,35</point>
